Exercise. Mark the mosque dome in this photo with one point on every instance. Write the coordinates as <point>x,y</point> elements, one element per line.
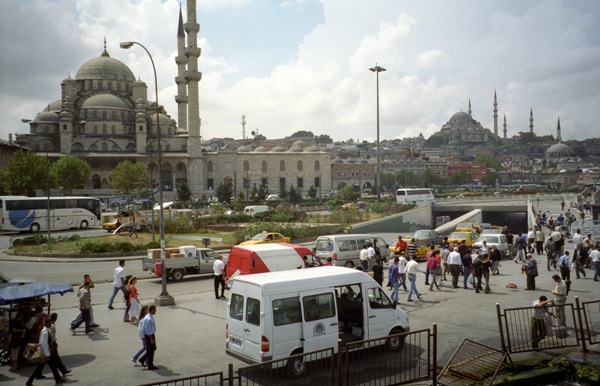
<point>164,119</point>
<point>243,149</point>
<point>105,101</point>
<point>338,161</point>
<point>300,143</point>
<point>351,161</point>
<point>461,116</point>
<point>296,149</point>
<point>54,106</point>
<point>46,116</point>
<point>279,149</point>
<point>260,149</point>
<point>104,67</point>
<point>559,150</point>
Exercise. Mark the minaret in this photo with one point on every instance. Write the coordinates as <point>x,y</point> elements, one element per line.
<point>243,127</point>
<point>496,117</point>
<point>181,60</point>
<point>192,76</point>
<point>469,106</point>
<point>558,137</point>
<point>504,125</point>
<point>531,120</point>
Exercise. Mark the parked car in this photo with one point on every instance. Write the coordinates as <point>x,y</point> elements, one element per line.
<point>422,247</point>
<point>468,227</point>
<point>458,237</point>
<point>429,236</point>
<point>499,240</point>
<point>349,206</point>
<point>267,237</point>
<point>273,198</point>
<point>6,281</point>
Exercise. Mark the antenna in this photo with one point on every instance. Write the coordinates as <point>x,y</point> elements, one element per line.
<point>243,127</point>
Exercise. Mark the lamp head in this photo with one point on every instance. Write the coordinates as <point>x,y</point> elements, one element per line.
<point>126,45</point>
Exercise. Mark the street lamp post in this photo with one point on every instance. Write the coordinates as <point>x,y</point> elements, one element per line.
<point>377,69</point>
<point>164,299</point>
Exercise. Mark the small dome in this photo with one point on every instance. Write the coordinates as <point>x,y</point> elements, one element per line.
<point>139,83</point>
<point>54,106</point>
<point>351,161</point>
<point>338,161</point>
<point>300,143</point>
<point>279,149</point>
<point>105,101</point>
<point>104,67</point>
<point>260,149</point>
<point>65,114</point>
<point>46,116</point>
<point>296,149</point>
<point>164,119</point>
<point>364,161</point>
<point>243,149</point>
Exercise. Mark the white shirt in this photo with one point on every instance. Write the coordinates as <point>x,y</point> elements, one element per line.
<point>454,258</point>
<point>370,252</point>
<point>118,276</point>
<point>402,264</point>
<point>578,238</point>
<point>218,267</point>
<point>363,254</point>
<point>595,254</point>
<point>44,340</point>
<point>412,267</point>
<point>531,234</point>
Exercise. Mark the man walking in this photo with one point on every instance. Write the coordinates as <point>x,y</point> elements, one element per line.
<point>363,257</point>
<point>565,270</point>
<point>133,230</point>
<point>84,307</point>
<point>560,298</point>
<point>595,257</point>
<point>454,263</point>
<point>148,331</point>
<point>118,282</point>
<point>79,317</point>
<point>46,347</point>
<point>411,271</point>
<point>580,258</point>
<point>218,268</point>
<point>531,272</point>
<point>393,276</point>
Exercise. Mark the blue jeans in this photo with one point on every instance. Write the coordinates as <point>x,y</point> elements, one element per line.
<point>394,295</point>
<point>466,273</point>
<point>141,350</point>
<point>115,292</point>
<point>403,280</point>
<point>85,313</point>
<point>596,265</point>
<point>412,278</point>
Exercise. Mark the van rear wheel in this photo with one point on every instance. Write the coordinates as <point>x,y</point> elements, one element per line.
<point>349,264</point>
<point>394,343</point>
<point>295,367</point>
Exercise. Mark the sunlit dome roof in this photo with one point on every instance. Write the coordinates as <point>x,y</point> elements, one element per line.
<point>46,116</point>
<point>104,67</point>
<point>260,149</point>
<point>559,150</point>
<point>243,149</point>
<point>104,101</point>
<point>279,149</point>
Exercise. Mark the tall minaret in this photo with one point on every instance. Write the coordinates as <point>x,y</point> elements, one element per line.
<point>469,106</point>
<point>192,77</point>
<point>496,117</point>
<point>504,125</point>
<point>181,60</point>
<point>558,137</point>
<point>531,120</point>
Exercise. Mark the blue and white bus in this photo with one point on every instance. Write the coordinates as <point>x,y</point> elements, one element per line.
<point>21,214</point>
<point>414,196</point>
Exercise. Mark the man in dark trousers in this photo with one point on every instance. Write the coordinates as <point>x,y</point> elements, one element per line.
<point>46,347</point>
<point>147,330</point>
<point>219,274</point>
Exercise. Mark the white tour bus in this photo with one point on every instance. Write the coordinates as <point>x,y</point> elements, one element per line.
<point>20,213</point>
<point>414,196</point>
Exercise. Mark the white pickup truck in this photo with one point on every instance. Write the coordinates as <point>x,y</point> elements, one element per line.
<point>187,260</point>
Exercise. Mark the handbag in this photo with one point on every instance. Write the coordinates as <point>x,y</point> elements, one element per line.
<point>34,353</point>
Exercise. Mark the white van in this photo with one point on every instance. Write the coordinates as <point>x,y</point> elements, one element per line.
<point>345,249</point>
<point>277,314</point>
<point>251,210</point>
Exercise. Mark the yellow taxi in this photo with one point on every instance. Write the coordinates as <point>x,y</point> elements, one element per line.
<point>468,227</point>
<point>469,237</point>
<point>267,237</point>
<point>350,206</point>
<point>422,247</point>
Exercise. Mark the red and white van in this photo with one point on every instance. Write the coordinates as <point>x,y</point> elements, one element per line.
<point>259,258</point>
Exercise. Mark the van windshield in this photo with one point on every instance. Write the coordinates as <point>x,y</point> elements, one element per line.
<point>324,245</point>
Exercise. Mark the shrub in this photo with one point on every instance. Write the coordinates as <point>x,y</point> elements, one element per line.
<point>30,240</point>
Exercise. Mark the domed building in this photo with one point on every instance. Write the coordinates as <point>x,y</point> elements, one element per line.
<point>104,117</point>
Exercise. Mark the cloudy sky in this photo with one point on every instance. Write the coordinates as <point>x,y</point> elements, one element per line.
<point>290,65</point>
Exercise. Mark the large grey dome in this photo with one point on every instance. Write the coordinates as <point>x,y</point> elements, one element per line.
<point>104,101</point>
<point>104,67</point>
<point>559,150</point>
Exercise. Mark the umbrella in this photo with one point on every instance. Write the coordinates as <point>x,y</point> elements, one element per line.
<point>14,294</point>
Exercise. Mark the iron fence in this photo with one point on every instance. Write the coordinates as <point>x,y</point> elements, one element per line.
<point>591,320</point>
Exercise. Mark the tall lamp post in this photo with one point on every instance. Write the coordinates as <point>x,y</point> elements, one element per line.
<point>164,299</point>
<point>377,69</point>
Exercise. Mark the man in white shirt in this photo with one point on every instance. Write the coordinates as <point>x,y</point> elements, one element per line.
<point>46,347</point>
<point>560,298</point>
<point>412,267</point>
<point>363,256</point>
<point>401,270</point>
<point>218,268</point>
<point>118,282</point>
<point>454,262</point>
<point>595,257</point>
<point>578,237</point>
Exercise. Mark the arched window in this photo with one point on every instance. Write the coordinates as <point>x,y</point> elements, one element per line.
<point>282,166</point>
<point>317,165</point>
<point>209,166</point>
<point>263,166</point>
<point>104,146</point>
<point>299,166</point>
<point>246,166</point>
<point>114,129</point>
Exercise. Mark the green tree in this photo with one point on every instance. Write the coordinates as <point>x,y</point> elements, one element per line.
<point>324,139</point>
<point>490,162</point>
<point>526,137</point>
<point>431,178</point>
<point>490,178</point>
<point>312,192</point>
<point>4,182</point>
<point>294,196</point>
<point>224,193</point>
<point>184,193</point>
<point>254,194</point>
<point>71,171</point>
<point>460,178</point>
<point>25,173</point>
<point>302,134</point>
<point>129,177</point>
<point>348,193</point>
<point>282,192</point>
